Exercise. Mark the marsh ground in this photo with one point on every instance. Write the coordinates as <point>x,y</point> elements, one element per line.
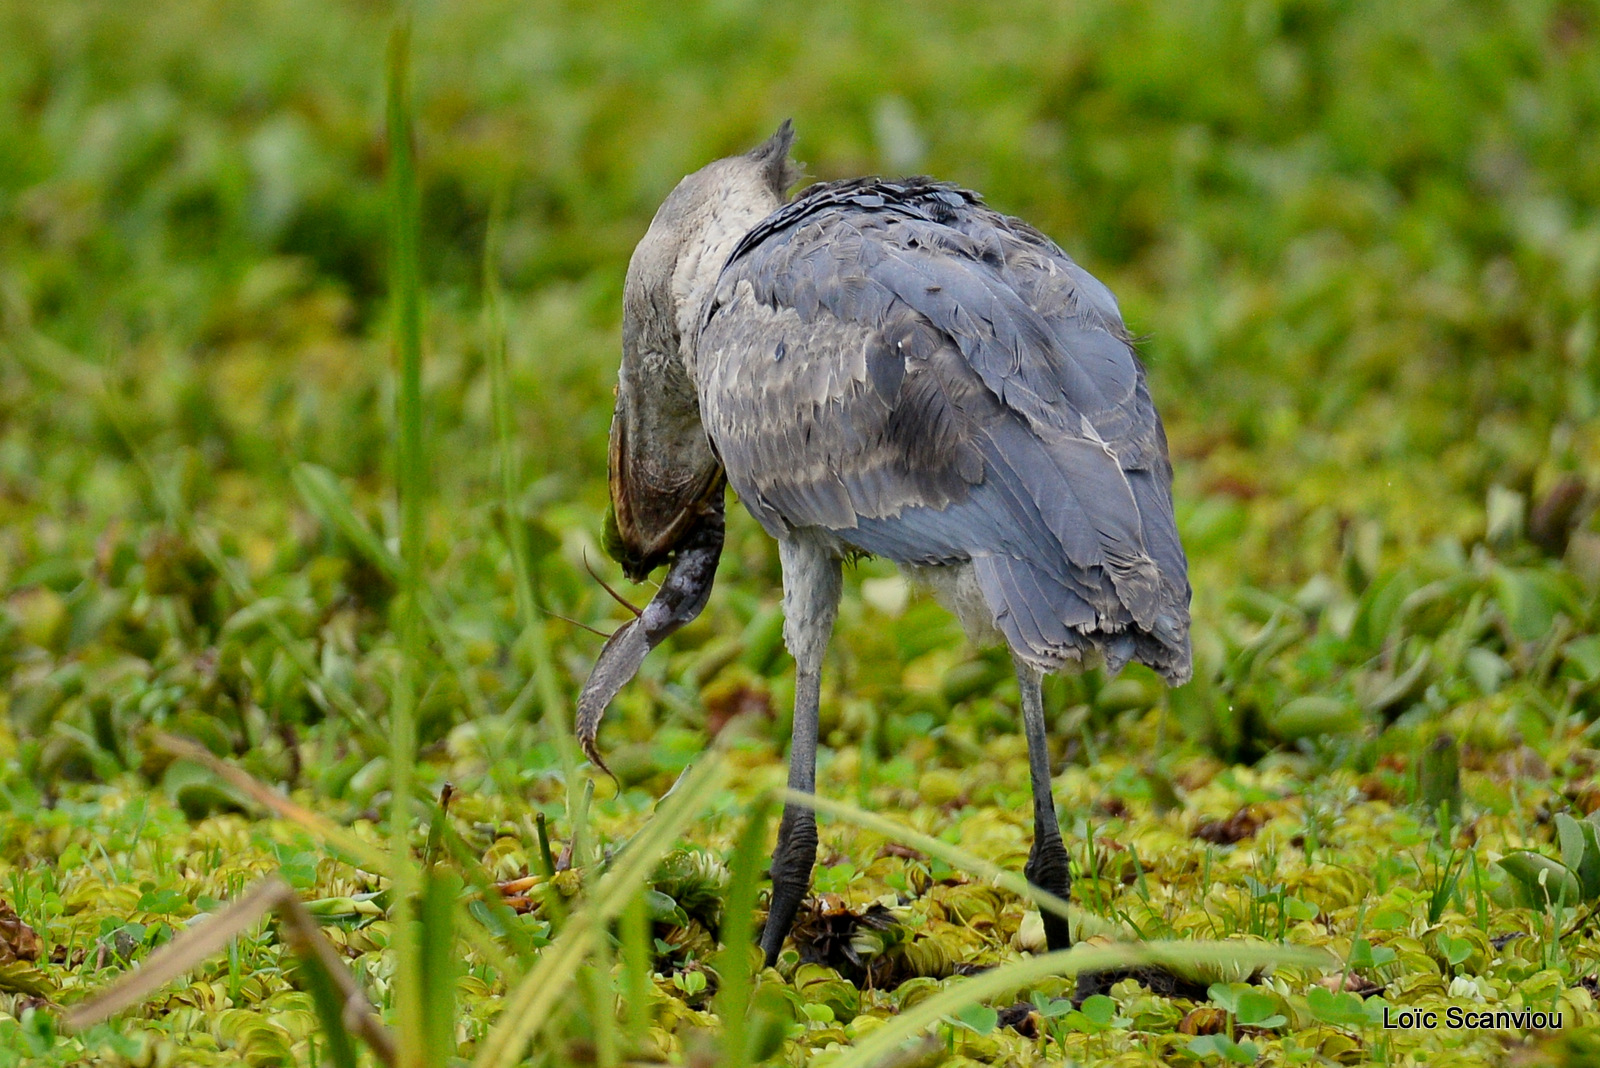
<point>1362,242</point>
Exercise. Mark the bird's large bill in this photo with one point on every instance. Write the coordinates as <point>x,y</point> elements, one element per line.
<point>682,595</point>
<point>662,474</point>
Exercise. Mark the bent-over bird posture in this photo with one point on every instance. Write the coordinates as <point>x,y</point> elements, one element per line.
<point>888,367</point>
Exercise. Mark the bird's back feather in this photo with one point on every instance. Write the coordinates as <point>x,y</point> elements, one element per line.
<point>937,383</point>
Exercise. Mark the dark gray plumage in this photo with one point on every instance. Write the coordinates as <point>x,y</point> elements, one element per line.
<point>891,367</point>
<point>933,382</point>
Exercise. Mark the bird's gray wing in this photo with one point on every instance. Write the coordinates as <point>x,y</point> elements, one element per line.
<point>934,383</point>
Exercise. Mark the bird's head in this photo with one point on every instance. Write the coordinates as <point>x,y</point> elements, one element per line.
<point>663,470</point>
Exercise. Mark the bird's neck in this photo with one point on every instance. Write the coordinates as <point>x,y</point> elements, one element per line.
<point>694,279</point>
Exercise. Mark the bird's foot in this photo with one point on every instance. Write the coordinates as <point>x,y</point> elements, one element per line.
<point>792,862</point>
<point>1048,869</point>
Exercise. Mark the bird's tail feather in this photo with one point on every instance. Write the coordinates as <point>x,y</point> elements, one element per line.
<point>1030,607</point>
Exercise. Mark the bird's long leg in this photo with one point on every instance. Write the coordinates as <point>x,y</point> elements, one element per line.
<point>1047,862</point>
<point>810,603</point>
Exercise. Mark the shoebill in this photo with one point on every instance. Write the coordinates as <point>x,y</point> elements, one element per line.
<point>888,367</point>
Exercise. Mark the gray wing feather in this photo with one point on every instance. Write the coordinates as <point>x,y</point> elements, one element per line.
<point>935,382</point>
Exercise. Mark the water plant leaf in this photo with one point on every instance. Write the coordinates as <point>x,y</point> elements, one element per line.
<point>23,977</point>
<point>320,490</point>
<point>979,1019</point>
<point>1245,1052</point>
<point>979,988</point>
<point>349,1008</point>
<point>528,1007</point>
<point>1309,716</point>
<point>1541,881</point>
<point>1342,1009</point>
<point>1580,852</point>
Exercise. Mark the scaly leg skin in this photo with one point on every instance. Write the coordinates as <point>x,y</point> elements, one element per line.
<point>1047,862</point>
<point>811,587</point>
<point>796,853</point>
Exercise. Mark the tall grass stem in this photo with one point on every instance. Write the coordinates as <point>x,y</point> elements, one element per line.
<point>411,481</point>
<point>552,703</point>
<point>529,1007</point>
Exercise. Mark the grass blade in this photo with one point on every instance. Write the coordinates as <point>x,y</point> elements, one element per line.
<point>337,1045</point>
<point>603,1004</point>
<point>955,856</point>
<point>47,359</point>
<point>305,937</point>
<point>188,949</point>
<point>552,706</point>
<point>528,1008</point>
<point>510,462</point>
<point>471,866</point>
<point>320,490</point>
<point>363,853</point>
<point>406,299</point>
<point>347,1004</point>
<point>733,963</point>
<point>638,962</point>
<point>884,1042</point>
<point>440,964</point>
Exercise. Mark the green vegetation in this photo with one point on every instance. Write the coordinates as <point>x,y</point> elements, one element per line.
<point>240,506</point>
